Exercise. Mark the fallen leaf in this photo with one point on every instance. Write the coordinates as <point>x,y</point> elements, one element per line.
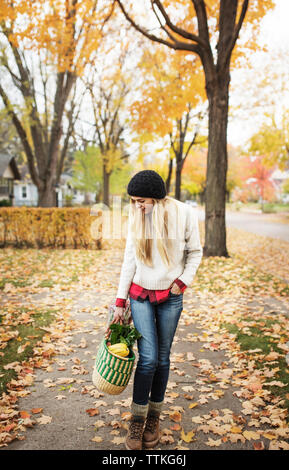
<point>187,437</point>
<point>176,416</point>
<point>118,440</point>
<point>251,435</point>
<point>210,442</point>
<point>175,427</point>
<point>44,419</point>
<point>97,439</point>
<point>269,436</point>
<point>193,405</point>
<point>236,430</point>
<point>272,356</point>
<point>92,411</point>
<point>36,410</point>
<point>258,445</point>
<point>115,411</point>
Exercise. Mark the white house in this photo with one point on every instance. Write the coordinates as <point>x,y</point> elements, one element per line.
<point>9,174</point>
<point>279,177</point>
<point>26,193</point>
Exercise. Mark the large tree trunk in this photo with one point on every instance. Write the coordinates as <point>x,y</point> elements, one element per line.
<point>46,197</point>
<point>215,200</point>
<point>217,76</point>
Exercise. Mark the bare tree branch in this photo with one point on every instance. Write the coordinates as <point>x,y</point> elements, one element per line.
<point>162,26</point>
<point>176,29</point>
<point>23,136</point>
<point>201,13</point>
<point>176,45</point>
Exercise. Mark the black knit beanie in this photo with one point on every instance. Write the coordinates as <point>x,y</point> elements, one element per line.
<point>147,183</point>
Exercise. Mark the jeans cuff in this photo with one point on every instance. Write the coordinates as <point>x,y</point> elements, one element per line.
<point>139,410</point>
<point>156,406</point>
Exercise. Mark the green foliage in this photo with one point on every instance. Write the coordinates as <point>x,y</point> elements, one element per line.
<point>285,186</point>
<point>29,334</point>
<point>269,208</point>
<point>191,187</point>
<point>119,179</point>
<point>87,170</point>
<point>5,203</point>
<point>264,344</point>
<point>68,200</point>
<point>123,334</point>
<point>271,140</point>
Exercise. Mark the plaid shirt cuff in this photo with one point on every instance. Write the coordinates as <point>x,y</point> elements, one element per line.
<point>120,302</point>
<point>181,285</point>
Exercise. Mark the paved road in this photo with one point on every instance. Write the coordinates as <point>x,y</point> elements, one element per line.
<point>255,223</point>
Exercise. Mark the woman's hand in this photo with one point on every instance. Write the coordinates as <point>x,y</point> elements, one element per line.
<point>175,289</point>
<point>118,318</point>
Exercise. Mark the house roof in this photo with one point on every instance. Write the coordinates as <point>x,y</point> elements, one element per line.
<point>24,172</point>
<point>26,178</point>
<point>5,161</point>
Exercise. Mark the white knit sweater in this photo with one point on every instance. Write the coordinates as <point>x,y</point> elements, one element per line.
<point>188,252</point>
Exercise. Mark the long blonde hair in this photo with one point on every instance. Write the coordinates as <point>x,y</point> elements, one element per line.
<point>146,227</point>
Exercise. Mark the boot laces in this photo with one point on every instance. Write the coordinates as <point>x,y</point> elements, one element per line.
<point>136,429</point>
<point>151,422</point>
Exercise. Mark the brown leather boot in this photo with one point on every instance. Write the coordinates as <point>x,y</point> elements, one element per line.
<point>151,433</point>
<point>134,436</point>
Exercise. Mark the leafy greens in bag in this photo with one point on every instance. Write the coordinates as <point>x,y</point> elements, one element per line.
<point>123,334</point>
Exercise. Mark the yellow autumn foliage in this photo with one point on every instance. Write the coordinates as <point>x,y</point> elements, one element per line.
<point>68,227</point>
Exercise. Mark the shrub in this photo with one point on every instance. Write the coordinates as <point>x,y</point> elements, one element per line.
<point>38,227</point>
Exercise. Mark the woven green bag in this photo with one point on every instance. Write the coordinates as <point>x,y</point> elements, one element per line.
<point>111,373</point>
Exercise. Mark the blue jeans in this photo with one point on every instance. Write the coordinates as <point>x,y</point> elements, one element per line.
<point>157,325</point>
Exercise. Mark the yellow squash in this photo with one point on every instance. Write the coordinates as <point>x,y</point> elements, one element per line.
<point>120,349</point>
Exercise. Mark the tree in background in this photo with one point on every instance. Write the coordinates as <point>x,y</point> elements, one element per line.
<point>194,173</point>
<point>45,47</point>
<point>285,186</point>
<point>210,30</point>
<point>235,172</point>
<point>272,141</point>
<point>171,106</point>
<point>260,95</point>
<point>119,180</point>
<point>9,139</point>
<point>87,175</point>
<point>260,179</point>
<point>109,85</point>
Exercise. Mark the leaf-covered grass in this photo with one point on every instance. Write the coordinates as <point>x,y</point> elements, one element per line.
<point>254,337</point>
<point>232,276</point>
<point>44,268</point>
<point>28,334</point>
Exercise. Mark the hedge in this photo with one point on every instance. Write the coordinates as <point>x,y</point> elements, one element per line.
<point>38,227</point>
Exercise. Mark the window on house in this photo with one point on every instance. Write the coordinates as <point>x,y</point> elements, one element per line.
<point>24,192</point>
<point>4,189</point>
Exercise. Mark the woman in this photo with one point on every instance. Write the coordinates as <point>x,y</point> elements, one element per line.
<point>161,257</point>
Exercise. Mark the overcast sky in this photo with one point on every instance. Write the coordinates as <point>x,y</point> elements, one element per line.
<point>275,34</point>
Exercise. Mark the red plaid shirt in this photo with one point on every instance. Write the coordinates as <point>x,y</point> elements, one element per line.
<point>155,296</point>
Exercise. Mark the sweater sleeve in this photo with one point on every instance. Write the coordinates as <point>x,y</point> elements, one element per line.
<point>128,268</point>
<point>193,248</point>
